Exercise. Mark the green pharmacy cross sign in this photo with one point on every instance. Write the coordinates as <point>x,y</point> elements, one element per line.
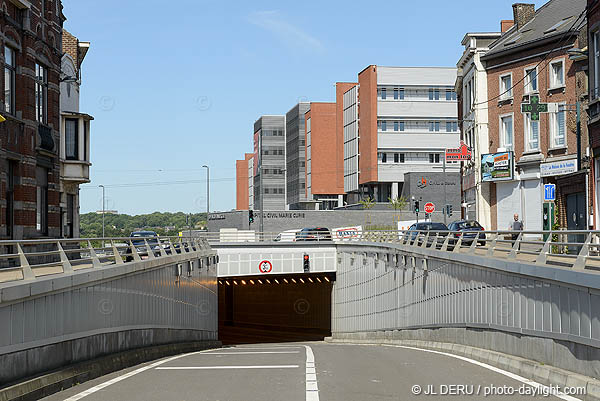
<point>534,107</point>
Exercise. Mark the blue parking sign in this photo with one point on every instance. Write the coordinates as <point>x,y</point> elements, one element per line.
<point>549,192</point>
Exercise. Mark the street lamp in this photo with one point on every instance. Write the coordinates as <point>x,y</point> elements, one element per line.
<point>207,191</point>
<point>102,186</point>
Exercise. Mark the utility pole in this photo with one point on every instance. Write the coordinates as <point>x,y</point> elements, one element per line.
<point>103,212</point>
<point>207,191</point>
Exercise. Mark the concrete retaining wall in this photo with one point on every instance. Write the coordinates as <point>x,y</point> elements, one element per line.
<point>61,319</point>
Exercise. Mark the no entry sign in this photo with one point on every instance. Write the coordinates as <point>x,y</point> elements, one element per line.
<point>265,266</point>
<point>429,207</point>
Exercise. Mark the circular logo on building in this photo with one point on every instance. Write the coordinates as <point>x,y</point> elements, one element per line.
<point>265,266</point>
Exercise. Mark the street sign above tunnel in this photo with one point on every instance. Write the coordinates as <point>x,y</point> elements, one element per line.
<point>265,266</point>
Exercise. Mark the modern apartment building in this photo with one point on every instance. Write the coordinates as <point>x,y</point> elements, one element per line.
<point>471,87</point>
<point>397,120</point>
<point>531,64</point>
<point>324,157</point>
<point>295,159</point>
<point>269,163</point>
<point>74,134</point>
<point>30,52</point>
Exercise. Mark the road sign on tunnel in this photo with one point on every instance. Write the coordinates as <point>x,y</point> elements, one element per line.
<point>265,266</point>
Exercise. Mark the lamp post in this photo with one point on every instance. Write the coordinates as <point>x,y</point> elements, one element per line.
<point>207,191</point>
<point>102,186</point>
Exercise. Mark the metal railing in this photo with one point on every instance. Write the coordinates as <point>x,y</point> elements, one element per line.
<point>574,249</point>
<point>28,259</point>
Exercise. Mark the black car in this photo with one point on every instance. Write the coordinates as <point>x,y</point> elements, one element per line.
<point>469,230</point>
<point>139,239</point>
<point>314,234</point>
<point>436,228</point>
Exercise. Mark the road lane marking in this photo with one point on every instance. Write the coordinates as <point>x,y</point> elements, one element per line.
<point>252,352</point>
<point>489,367</point>
<point>127,375</point>
<point>228,367</point>
<point>312,389</point>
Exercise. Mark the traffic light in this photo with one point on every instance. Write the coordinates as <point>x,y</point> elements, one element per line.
<point>416,206</point>
<point>449,210</point>
<point>306,263</point>
<point>250,216</point>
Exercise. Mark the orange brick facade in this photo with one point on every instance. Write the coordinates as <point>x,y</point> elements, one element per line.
<point>241,170</point>
<point>326,163</point>
<point>367,125</point>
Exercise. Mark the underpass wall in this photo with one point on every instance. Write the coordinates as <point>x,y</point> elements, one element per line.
<point>397,292</point>
<point>63,319</point>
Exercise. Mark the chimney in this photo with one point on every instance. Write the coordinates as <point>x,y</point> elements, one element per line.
<point>506,24</point>
<point>523,13</point>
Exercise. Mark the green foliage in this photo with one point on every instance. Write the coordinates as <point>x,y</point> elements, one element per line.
<point>398,203</point>
<point>367,203</point>
<point>121,225</point>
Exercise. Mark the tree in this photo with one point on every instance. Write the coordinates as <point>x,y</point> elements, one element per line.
<point>367,203</point>
<point>397,203</point>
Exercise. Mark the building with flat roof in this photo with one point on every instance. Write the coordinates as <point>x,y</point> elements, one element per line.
<point>397,120</point>
<point>269,163</point>
<point>295,158</point>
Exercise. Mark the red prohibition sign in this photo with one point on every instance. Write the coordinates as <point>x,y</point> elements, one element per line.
<point>265,266</point>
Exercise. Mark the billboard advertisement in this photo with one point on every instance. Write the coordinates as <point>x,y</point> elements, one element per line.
<point>347,233</point>
<point>497,166</point>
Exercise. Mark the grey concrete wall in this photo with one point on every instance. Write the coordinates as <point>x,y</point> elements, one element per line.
<point>68,318</point>
<point>543,313</point>
<point>296,219</point>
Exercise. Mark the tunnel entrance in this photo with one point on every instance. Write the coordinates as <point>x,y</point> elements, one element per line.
<point>276,308</point>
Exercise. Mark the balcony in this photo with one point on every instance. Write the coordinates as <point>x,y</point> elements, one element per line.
<point>46,139</point>
<point>74,148</point>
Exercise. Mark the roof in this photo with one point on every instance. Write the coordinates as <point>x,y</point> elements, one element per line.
<point>550,22</point>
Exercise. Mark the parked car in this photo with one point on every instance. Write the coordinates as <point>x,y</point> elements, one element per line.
<point>436,228</point>
<point>469,230</point>
<point>314,234</point>
<point>140,244</point>
<point>287,236</point>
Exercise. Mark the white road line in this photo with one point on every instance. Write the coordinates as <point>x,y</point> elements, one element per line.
<point>312,389</point>
<point>127,375</point>
<point>252,352</point>
<point>492,368</point>
<point>228,367</point>
<point>264,348</point>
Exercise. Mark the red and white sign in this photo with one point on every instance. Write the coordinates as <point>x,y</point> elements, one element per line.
<point>347,233</point>
<point>429,207</point>
<point>265,266</point>
<point>463,152</point>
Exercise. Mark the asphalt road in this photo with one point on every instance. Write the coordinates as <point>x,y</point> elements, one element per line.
<point>288,372</point>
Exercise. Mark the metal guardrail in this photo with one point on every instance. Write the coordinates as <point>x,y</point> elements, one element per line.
<point>575,249</point>
<point>26,260</point>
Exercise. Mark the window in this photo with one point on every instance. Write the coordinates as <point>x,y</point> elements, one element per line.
<point>557,129</point>
<point>41,93</point>
<point>9,80</point>
<point>434,126</point>
<point>401,157</point>
<point>450,94</point>
<point>434,94</point>
<point>395,125</point>
<point>396,95</point>
<point>401,94</point>
<point>383,93</point>
<point>71,139</point>
<point>531,80</point>
<point>384,157</point>
<point>12,178</point>
<point>557,74</point>
<point>396,158</point>
<point>506,87</point>
<point>384,125</point>
<point>596,58</point>
<point>450,126</point>
<point>41,217</point>
<point>532,133</point>
<point>506,132</point>
<point>434,158</point>
<point>401,125</point>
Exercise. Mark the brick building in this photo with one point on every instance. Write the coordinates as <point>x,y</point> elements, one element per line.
<point>532,61</point>
<point>31,52</point>
<point>593,18</point>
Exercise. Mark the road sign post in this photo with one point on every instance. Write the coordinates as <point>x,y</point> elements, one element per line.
<point>462,153</point>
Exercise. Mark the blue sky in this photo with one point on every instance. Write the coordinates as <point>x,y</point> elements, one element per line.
<point>173,86</point>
